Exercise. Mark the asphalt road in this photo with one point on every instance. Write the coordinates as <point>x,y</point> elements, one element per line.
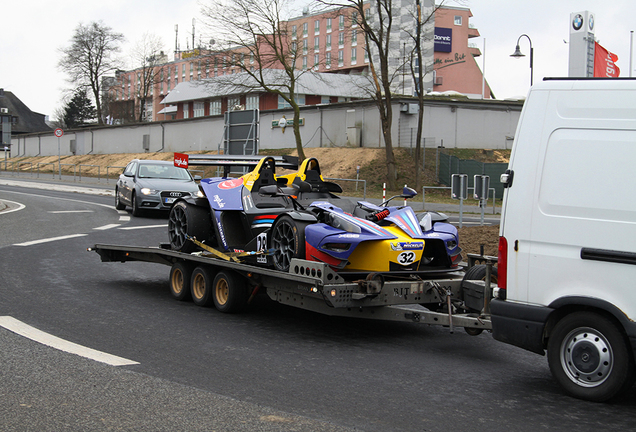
<point>271,368</point>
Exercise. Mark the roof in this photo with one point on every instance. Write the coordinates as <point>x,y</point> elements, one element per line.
<point>311,83</point>
<point>27,120</point>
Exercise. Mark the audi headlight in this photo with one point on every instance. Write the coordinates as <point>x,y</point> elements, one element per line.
<point>198,194</point>
<point>148,191</point>
<point>340,222</point>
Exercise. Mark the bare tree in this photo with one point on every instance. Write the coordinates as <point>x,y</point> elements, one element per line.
<point>90,57</point>
<point>378,28</point>
<point>254,37</point>
<point>148,56</point>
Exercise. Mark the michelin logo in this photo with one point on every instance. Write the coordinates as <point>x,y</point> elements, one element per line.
<point>405,246</point>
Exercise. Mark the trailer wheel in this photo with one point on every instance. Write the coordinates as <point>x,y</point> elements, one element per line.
<point>288,241</point>
<point>589,357</point>
<point>187,220</point>
<point>180,275</point>
<point>474,301</point>
<point>201,286</point>
<point>230,293</point>
<point>478,272</point>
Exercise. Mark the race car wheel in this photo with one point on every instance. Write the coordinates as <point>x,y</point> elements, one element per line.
<point>230,293</point>
<point>187,220</point>
<point>288,241</point>
<point>201,286</point>
<point>590,357</point>
<point>118,204</point>
<point>180,275</point>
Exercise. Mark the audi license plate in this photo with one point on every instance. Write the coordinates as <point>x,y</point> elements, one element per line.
<point>168,200</point>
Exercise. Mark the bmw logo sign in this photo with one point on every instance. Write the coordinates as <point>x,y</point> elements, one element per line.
<point>577,23</point>
<point>591,22</point>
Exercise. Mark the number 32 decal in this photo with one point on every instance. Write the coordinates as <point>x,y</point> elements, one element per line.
<point>406,258</point>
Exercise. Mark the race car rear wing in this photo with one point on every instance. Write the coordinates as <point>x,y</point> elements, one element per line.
<point>228,161</point>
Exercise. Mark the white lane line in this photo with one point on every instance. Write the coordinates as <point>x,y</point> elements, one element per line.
<point>20,207</point>
<point>39,336</point>
<point>144,227</point>
<point>46,240</point>
<point>70,211</point>
<point>124,218</point>
<point>105,227</point>
<point>58,187</point>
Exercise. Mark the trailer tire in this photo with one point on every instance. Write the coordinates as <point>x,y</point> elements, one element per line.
<point>230,292</point>
<point>201,284</point>
<point>288,241</point>
<point>478,272</point>
<point>589,357</point>
<point>187,220</point>
<point>180,275</point>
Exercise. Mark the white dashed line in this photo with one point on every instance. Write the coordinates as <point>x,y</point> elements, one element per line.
<point>144,227</point>
<point>70,211</point>
<point>105,227</point>
<point>46,240</point>
<point>39,336</point>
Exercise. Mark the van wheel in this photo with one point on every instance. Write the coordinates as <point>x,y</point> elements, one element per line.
<point>230,293</point>
<point>201,286</point>
<point>589,357</point>
<point>180,275</point>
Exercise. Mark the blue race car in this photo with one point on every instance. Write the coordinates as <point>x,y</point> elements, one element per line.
<point>298,215</point>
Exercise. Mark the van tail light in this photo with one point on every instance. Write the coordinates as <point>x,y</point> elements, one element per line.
<point>502,263</point>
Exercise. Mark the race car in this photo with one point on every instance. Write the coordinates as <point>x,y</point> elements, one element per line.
<point>299,215</point>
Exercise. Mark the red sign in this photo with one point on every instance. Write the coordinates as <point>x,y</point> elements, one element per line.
<point>604,63</point>
<point>58,132</point>
<point>181,160</point>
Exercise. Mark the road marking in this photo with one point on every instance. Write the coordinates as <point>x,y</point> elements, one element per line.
<point>49,340</point>
<point>20,207</point>
<point>70,211</point>
<point>105,227</point>
<point>58,187</point>
<point>124,218</point>
<point>144,226</point>
<point>46,240</point>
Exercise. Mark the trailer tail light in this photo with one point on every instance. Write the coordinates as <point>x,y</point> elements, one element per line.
<point>502,265</point>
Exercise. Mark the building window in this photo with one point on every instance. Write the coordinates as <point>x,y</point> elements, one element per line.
<point>341,22</point>
<point>354,37</point>
<point>304,62</point>
<point>328,60</point>
<point>305,47</point>
<point>353,55</point>
<point>252,102</point>
<point>191,71</point>
<point>458,20</point>
<point>199,109</point>
<point>316,60</point>
<point>183,67</point>
<point>294,47</point>
<point>282,103</point>
<point>328,42</point>
<point>316,27</point>
<point>341,40</point>
<point>305,29</point>
<point>233,102</point>
<point>366,55</point>
<point>340,58</point>
<point>293,32</point>
<point>328,25</point>
<point>215,107</point>
<point>325,100</point>
<point>354,19</point>
<point>317,44</point>
<point>251,58</point>
<point>186,110</point>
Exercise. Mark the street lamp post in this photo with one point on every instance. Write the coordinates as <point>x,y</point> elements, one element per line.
<point>518,54</point>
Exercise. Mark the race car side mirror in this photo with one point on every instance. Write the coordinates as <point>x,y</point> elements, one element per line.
<point>408,192</point>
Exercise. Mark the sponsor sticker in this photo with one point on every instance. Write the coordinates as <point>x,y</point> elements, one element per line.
<point>231,184</point>
<point>406,246</point>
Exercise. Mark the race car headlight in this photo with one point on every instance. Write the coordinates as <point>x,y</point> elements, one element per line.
<point>340,222</point>
<point>148,191</point>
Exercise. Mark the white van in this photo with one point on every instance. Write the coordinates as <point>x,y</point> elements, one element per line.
<point>567,250</point>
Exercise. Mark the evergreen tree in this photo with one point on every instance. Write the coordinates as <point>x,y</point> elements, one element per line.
<point>79,110</point>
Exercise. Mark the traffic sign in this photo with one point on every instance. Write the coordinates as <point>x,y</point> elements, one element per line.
<point>58,132</point>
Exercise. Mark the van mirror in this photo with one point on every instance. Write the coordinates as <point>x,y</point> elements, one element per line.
<point>506,178</point>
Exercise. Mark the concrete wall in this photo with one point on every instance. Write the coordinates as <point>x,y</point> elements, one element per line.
<point>451,123</point>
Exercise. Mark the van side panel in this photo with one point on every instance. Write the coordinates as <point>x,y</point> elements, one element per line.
<point>585,200</point>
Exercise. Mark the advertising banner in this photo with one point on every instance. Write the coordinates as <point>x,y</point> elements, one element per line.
<point>605,63</point>
<point>443,39</point>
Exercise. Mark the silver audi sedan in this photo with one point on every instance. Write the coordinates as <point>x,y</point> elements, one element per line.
<point>153,185</point>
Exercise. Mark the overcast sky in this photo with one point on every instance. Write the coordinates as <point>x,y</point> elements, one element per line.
<point>33,31</point>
